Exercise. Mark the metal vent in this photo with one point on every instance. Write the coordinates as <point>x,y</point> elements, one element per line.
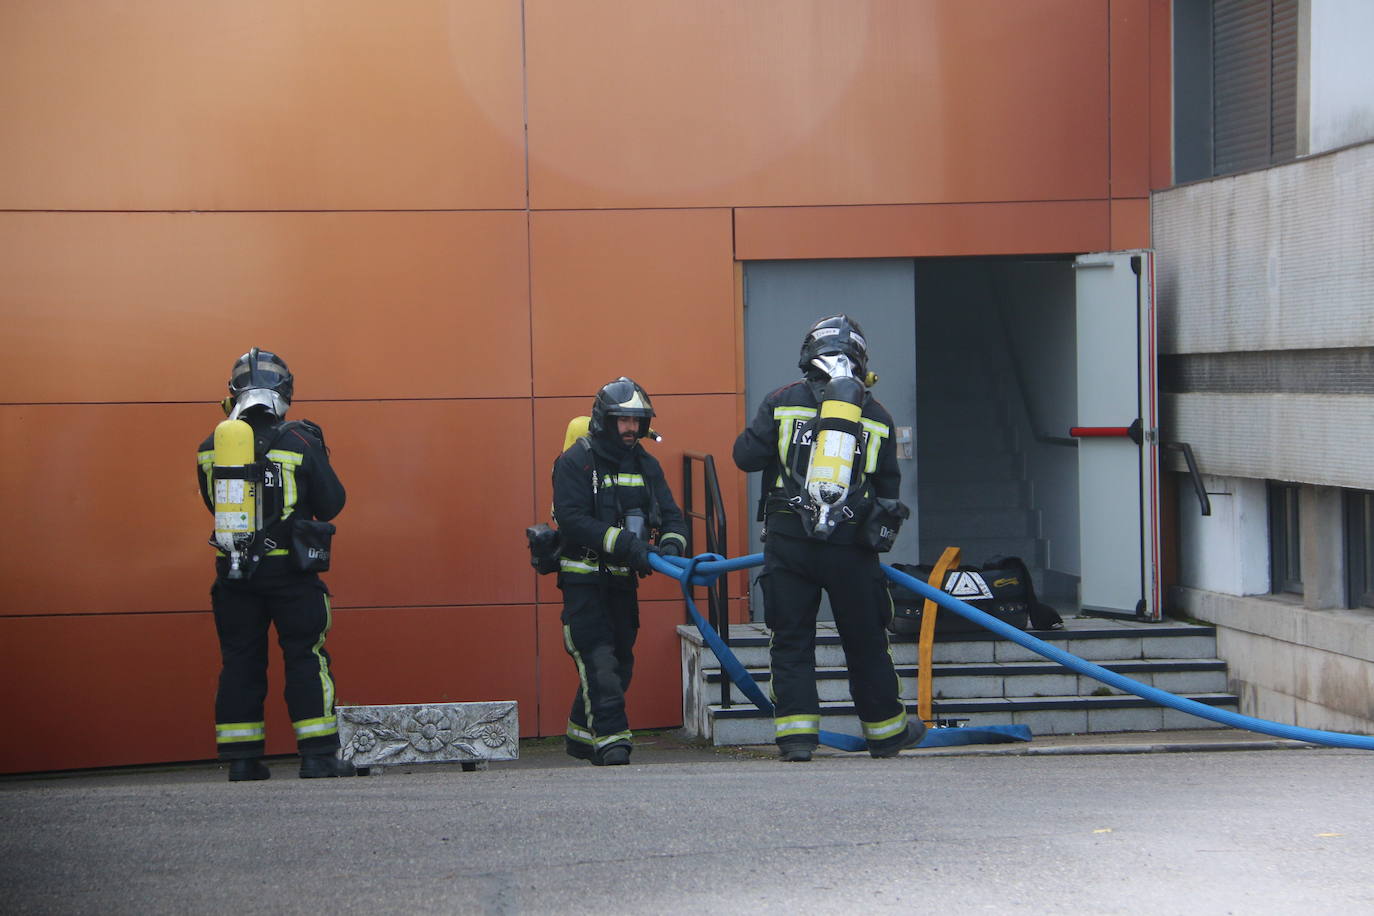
<point>1254,83</point>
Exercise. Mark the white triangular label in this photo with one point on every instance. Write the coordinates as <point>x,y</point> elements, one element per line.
<point>966,584</point>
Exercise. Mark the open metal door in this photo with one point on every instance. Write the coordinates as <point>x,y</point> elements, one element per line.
<point>1117,432</point>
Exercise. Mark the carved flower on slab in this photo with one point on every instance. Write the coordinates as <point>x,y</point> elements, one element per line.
<point>428,730</point>
<point>492,736</point>
<point>364,741</point>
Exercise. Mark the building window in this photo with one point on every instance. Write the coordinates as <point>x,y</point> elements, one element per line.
<point>1285,544</point>
<point>1359,547</point>
<point>1236,75</point>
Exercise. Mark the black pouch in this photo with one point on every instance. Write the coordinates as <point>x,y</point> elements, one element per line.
<point>310,544</point>
<point>545,545</point>
<point>884,521</point>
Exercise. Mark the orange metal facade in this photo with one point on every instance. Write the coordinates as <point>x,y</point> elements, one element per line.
<point>456,219</point>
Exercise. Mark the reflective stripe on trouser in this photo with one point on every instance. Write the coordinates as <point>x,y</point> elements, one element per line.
<point>297,606</point>
<point>599,630</point>
<point>795,571</point>
<point>239,732</point>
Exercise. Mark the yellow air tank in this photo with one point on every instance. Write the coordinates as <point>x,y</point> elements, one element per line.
<point>830,471</point>
<point>236,493</point>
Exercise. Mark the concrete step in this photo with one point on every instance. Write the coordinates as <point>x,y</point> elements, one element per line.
<point>992,494</point>
<point>959,525</point>
<point>977,551</point>
<point>939,468</point>
<point>1058,715</point>
<point>1007,679</point>
<point>1091,640</point>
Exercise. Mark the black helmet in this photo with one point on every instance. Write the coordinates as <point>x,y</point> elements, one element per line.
<point>836,334</point>
<point>260,379</point>
<point>620,398</point>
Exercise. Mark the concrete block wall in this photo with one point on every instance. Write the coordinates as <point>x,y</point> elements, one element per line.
<point>1301,666</point>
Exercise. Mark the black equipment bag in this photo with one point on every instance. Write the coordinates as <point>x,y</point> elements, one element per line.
<point>1002,592</point>
<point>310,544</point>
<point>545,544</point>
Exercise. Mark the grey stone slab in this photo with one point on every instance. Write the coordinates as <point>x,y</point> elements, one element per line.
<point>1008,651</point>
<point>1188,682</point>
<point>429,733</point>
<point>1097,650</point>
<point>964,652</point>
<point>1053,721</point>
<point>967,687</point>
<point>1178,647</point>
<point>1174,719</point>
<point>1131,719</point>
<point>1041,685</point>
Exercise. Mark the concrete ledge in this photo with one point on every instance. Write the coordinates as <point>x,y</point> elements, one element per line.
<point>429,733</point>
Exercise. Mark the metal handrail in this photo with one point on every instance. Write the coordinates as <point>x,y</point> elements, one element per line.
<point>1205,503</point>
<point>713,518</point>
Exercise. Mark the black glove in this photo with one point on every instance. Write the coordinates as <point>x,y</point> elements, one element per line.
<point>637,556</point>
<point>670,548</point>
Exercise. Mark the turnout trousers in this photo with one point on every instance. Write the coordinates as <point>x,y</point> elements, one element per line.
<point>795,571</point>
<point>298,606</point>
<point>599,630</point>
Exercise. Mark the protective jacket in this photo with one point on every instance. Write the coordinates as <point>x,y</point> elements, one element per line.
<point>596,482</point>
<point>779,443</point>
<point>300,483</point>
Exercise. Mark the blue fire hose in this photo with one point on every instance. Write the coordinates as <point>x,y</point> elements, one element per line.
<point>703,569</point>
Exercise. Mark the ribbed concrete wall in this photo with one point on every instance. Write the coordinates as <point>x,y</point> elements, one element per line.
<point>1279,261</point>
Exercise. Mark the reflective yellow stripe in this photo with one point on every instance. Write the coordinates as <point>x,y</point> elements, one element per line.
<point>578,733</point>
<point>617,738</point>
<point>674,536</point>
<point>877,432</point>
<point>577,566</point>
<point>876,731</point>
<point>289,461</point>
<point>782,414</point>
<point>629,480</point>
<point>326,682</point>
<point>796,725</point>
<point>608,539</point>
<point>309,728</point>
<point>232,732</point>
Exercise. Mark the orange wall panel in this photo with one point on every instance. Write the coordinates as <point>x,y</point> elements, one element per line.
<point>698,423</point>
<point>659,103</point>
<point>768,233</point>
<point>1130,97</point>
<point>1130,224</point>
<point>112,690</point>
<point>396,655</point>
<point>648,294</point>
<point>351,104</point>
<point>1161,95</point>
<point>111,517</point>
<point>438,492</point>
<point>157,306</point>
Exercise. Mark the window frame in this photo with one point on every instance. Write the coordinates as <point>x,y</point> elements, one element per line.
<point>1285,538</point>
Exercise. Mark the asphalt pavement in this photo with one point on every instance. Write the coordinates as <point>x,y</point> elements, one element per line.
<point>1207,821</point>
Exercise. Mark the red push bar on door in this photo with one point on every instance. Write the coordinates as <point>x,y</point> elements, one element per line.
<point>1131,432</point>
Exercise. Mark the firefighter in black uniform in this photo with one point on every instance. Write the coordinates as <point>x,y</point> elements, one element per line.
<point>609,498</point>
<point>271,588</point>
<point>819,535</point>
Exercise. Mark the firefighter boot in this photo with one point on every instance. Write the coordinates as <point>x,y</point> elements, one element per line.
<point>317,766</point>
<point>248,768</point>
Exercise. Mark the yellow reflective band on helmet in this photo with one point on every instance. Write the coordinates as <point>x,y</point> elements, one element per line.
<point>796,725</point>
<point>877,731</point>
<point>232,732</point>
<point>608,540</point>
<point>309,728</point>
